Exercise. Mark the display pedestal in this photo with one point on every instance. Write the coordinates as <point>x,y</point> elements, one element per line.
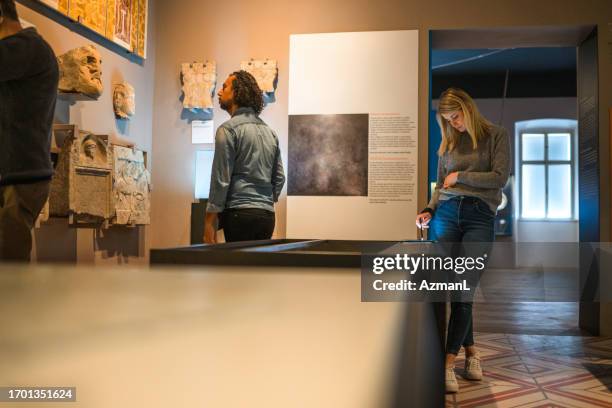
<point>55,241</point>
<point>420,341</point>
<point>198,212</point>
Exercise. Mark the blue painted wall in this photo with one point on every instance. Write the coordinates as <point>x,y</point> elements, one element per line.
<point>435,138</point>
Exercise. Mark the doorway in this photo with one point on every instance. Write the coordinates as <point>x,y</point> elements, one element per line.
<point>540,84</point>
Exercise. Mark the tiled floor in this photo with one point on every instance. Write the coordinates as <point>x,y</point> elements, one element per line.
<point>544,318</point>
<point>538,371</point>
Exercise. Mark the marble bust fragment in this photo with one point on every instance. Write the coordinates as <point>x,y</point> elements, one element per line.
<point>81,71</point>
<point>124,103</point>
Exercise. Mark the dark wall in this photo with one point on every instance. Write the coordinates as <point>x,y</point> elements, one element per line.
<point>554,84</point>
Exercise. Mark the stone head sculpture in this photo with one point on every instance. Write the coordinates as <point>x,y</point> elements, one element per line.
<point>124,101</point>
<point>90,147</point>
<point>81,71</point>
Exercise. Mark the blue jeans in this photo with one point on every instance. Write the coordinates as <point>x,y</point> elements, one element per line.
<point>469,221</point>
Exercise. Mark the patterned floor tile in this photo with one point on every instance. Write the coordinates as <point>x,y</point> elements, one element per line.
<point>538,372</point>
<point>550,404</point>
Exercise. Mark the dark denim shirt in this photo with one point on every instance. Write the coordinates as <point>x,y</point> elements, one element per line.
<point>247,170</point>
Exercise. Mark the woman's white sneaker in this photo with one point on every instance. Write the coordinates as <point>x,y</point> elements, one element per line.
<point>473,369</point>
<point>452,385</point>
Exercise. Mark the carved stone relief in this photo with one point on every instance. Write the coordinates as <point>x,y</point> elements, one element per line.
<point>96,183</point>
<point>81,71</point>
<point>264,71</point>
<point>131,187</point>
<point>199,80</point>
<point>124,100</point>
<point>81,188</point>
<point>63,137</point>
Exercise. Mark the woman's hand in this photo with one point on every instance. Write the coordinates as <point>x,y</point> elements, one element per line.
<point>422,220</point>
<point>451,179</point>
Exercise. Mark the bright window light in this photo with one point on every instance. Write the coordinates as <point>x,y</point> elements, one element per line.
<point>533,191</point>
<point>559,191</point>
<point>533,146</point>
<point>546,164</point>
<point>203,170</point>
<point>559,146</point>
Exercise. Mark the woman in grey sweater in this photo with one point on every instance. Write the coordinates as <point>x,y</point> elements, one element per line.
<point>473,167</point>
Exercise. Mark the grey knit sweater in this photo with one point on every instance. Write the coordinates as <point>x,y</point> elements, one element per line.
<point>482,172</point>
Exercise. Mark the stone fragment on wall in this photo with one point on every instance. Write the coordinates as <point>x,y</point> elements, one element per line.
<point>81,188</point>
<point>81,71</point>
<point>198,80</point>
<point>264,71</point>
<point>131,187</point>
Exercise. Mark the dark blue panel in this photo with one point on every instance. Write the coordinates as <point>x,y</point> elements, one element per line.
<point>588,141</point>
<point>435,138</point>
<point>588,181</point>
<point>517,60</point>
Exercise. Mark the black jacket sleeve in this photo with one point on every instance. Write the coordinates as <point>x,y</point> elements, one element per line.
<point>15,58</point>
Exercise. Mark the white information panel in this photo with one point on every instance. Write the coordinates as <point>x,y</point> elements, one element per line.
<point>353,135</point>
<point>202,131</point>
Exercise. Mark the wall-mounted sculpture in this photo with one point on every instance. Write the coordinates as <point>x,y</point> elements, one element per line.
<point>81,188</point>
<point>97,183</point>
<point>198,80</point>
<point>266,74</point>
<point>81,71</point>
<point>124,103</point>
<point>131,187</point>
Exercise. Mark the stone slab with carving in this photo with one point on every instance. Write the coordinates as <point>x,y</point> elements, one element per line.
<point>81,188</point>
<point>81,71</point>
<point>124,100</point>
<point>264,71</point>
<point>131,187</point>
<point>198,80</point>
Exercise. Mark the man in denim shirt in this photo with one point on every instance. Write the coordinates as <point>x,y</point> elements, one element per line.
<point>247,172</point>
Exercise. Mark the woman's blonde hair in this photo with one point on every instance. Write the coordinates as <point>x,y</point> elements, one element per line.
<point>452,100</point>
